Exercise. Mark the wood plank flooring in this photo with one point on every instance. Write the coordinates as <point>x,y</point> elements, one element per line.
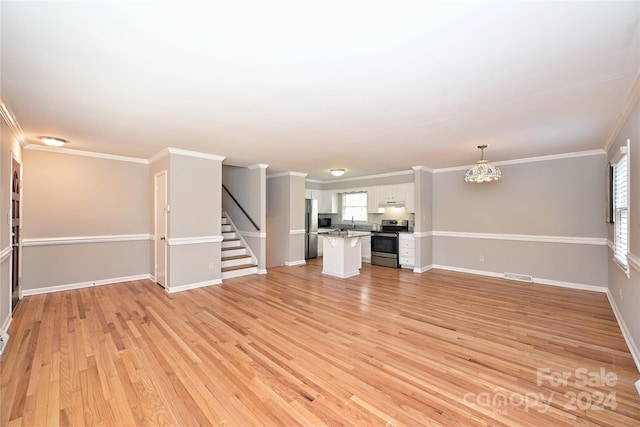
<point>294,347</point>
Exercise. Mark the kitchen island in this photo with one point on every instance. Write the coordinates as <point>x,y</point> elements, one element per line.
<point>342,253</point>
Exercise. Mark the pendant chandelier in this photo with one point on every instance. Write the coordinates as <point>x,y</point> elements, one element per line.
<point>482,171</point>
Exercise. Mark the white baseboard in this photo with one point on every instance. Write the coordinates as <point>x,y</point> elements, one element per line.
<point>571,285</point>
<point>537,280</point>
<point>71,286</point>
<point>340,275</point>
<point>633,348</point>
<point>262,271</point>
<point>422,269</point>
<point>294,263</point>
<point>4,336</point>
<point>190,286</point>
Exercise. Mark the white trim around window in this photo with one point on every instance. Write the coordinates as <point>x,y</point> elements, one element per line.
<point>621,191</point>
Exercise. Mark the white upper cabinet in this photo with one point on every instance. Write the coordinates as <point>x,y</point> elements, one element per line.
<point>328,202</point>
<point>410,200</point>
<point>373,200</point>
<point>403,194</point>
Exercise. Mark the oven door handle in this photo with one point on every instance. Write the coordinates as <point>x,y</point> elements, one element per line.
<point>383,235</point>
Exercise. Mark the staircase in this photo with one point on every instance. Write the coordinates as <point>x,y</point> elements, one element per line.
<point>237,259</point>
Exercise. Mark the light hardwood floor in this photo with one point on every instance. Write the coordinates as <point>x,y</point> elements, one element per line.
<point>294,347</point>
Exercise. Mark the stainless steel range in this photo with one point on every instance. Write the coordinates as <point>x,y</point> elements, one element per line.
<point>384,243</point>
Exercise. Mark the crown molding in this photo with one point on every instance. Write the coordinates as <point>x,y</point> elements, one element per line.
<point>530,160</point>
<point>624,113</point>
<point>12,122</point>
<point>159,155</point>
<point>360,178</point>
<point>422,168</point>
<point>281,174</point>
<point>258,166</point>
<point>93,154</point>
<point>198,154</point>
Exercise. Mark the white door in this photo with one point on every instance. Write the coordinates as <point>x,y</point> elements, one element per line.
<point>161,228</point>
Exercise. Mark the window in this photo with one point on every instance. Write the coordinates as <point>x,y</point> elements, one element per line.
<point>621,207</point>
<point>354,207</point>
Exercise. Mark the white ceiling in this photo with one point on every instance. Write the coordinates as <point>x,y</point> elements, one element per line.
<point>371,86</point>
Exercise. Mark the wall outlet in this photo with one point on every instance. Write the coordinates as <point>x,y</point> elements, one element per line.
<point>620,292</point>
<point>211,265</point>
<point>481,258</point>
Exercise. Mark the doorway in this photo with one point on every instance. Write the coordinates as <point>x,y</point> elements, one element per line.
<point>16,193</point>
<point>161,210</point>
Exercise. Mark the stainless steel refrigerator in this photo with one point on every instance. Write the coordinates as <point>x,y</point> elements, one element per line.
<point>311,228</point>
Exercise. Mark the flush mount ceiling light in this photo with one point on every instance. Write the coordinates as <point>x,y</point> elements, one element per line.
<point>337,172</point>
<point>51,141</point>
<point>483,171</point>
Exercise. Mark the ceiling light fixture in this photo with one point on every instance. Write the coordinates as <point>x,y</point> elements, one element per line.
<point>337,172</point>
<point>52,142</point>
<point>482,171</point>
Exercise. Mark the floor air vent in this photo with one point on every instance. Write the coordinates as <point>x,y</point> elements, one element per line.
<point>520,277</point>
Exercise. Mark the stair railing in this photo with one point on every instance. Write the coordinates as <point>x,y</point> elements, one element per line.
<point>241,208</point>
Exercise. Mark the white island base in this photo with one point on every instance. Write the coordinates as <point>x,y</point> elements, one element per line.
<point>342,255</point>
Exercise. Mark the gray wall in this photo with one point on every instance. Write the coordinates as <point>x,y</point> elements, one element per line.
<point>278,212</point>
<point>8,144</point>
<point>285,219</point>
<point>624,291</point>
<point>69,196</point>
<point>196,208</point>
<point>423,181</point>
<point>562,199</point>
<point>296,219</point>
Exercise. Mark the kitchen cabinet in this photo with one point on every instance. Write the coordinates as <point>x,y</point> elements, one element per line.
<point>398,193</point>
<point>328,202</point>
<point>373,200</point>
<point>312,194</point>
<point>390,194</point>
<point>366,249</point>
<point>407,251</point>
<point>410,200</point>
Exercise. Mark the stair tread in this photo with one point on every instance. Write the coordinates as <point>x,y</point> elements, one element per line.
<point>233,248</point>
<point>238,267</point>
<point>227,258</point>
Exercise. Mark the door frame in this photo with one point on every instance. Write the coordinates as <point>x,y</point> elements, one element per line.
<point>13,271</point>
<point>157,176</point>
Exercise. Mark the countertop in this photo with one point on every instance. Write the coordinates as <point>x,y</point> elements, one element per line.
<point>345,234</point>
